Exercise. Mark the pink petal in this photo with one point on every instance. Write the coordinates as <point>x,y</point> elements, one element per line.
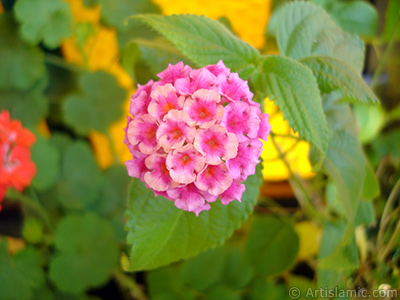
<point>158,178</point>
<point>189,198</point>
<point>174,72</point>
<point>244,164</point>
<point>198,79</point>
<point>265,127</point>
<point>216,144</point>
<point>141,99</point>
<point>203,108</point>
<point>175,131</point>
<point>184,164</point>
<point>136,166</point>
<point>218,68</point>
<point>234,88</point>
<point>242,119</point>
<point>164,98</point>
<point>142,132</point>
<point>214,179</point>
<point>234,192</point>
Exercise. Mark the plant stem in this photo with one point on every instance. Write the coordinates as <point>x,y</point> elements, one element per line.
<point>391,244</point>
<point>303,198</point>
<point>128,283</point>
<point>28,202</point>
<point>383,223</point>
<point>59,62</point>
<point>382,63</point>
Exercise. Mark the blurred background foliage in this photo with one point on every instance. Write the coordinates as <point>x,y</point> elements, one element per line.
<point>67,71</point>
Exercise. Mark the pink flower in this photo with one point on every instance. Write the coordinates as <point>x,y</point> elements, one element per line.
<point>203,108</point>
<point>214,179</point>
<point>158,177</point>
<point>164,99</point>
<point>184,164</point>
<point>197,79</point>
<point>142,131</point>
<point>174,72</point>
<point>234,192</point>
<point>216,144</point>
<point>175,130</point>
<point>242,119</point>
<point>194,135</point>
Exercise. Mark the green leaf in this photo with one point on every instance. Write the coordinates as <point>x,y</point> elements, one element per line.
<point>115,15</point>
<point>222,292</point>
<point>335,74</point>
<point>294,89</point>
<point>237,272</point>
<point>268,290</point>
<point>81,181</point>
<point>20,274</point>
<point>371,120</point>
<point>305,29</point>
<point>203,40</point>
<point>392,17</point>
<point>21,64</point>
<point>338,250</point>
<point>338,113</point>
<point>166,283</point>
<point>196,270</point>
<point>345,163</point>
<point>87,252</point>
<point>97,106</point>
<point>49,21</point>
<point>371,187</point>
<point>29,106</point>
<point>47,159</point>
<point>158,53</point>
<point>365,214</point>
<point>355,17</point>
<point>272,246</point>
<point>160,233</point>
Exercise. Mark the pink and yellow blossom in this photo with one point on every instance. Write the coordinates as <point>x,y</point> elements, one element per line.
<point>194,135</point>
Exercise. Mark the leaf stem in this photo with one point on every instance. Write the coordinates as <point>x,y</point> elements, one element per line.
<point>391,244</point>
<point>383,61</point>
<point>59,62</point>
<point>303,198</point>
<point>15,195</point>
<point>384,219</point>
<point>128,283</point>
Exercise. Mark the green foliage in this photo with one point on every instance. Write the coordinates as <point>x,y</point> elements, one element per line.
<point>21,64</point>
<point>97,105</point>
<point>159,53</point>
<point>81,178</point>
<point>356,17</point>
<point>345,163</point>
<point>115,15</point>
<point>294,89</point>
<point>304,29</point>
<point>391,21</point>
<point>203,40</point>
<point>47,159</point>
<point>272,246</point>
<point>51,23</point>
<point>334,74</point>
<point>30,106</point>
<point>87,252</point>
<point>19,274</point>
<point>161,234</point>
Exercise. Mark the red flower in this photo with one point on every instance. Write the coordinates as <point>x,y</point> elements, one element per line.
<point>16,168</point>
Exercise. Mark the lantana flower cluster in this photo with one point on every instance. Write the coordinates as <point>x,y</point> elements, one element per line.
<point>16,168</point>
<point>195,135</point>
